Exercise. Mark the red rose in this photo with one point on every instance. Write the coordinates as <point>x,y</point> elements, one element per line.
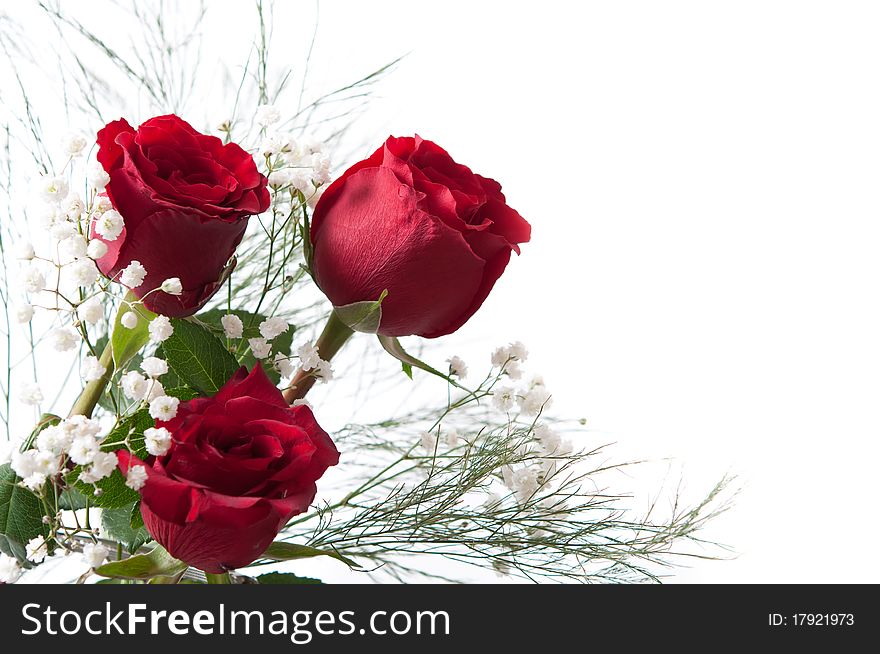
<point>185,198</point>
<point>241,464</point>
<point>411,220</point>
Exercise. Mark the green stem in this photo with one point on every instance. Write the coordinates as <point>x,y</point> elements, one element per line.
<point>331,340</point>
<point>88,399</point>
<point>222,578</point>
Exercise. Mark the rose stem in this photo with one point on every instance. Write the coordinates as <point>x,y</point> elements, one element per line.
<point>222,578</point>
<point>331,340</point>
<point>90,395</point>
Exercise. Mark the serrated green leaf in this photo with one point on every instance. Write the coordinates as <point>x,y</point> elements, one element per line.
<point>114,493</point>
<point>117,524</point>
<point>156,563</point>
<point>21,514</point>
<point>128,342</point>
<point>251,322</point>
<point>281,551</point>
<point>285,578</point>
<point>136,518</point>
<point>198,357</point>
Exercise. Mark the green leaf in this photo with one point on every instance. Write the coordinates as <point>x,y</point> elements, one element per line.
<point>251,322</point>
<point>407,369</point>
<point>281,551</point>
<point>21,514</point>
<point>286,578</point>
<point>128,342</point>
<point>362,316</point>
<point>395,349</point>
<point>117,524</point>
<point>156,563</point>
<point>198,357</point>
<point>114,493</point>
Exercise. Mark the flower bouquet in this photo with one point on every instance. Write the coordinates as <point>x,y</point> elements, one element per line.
<point>197,283</point>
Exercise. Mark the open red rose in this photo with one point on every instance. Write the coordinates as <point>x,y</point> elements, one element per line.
<point>241,464</point>
<point>411,220</point>
<point>185,198</point>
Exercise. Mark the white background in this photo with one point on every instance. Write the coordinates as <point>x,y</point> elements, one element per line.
<point>702,182</point>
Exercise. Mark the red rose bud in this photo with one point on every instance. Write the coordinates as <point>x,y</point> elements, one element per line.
<point>241,464</point>
<point>184,198</point>
<point>411,220</point>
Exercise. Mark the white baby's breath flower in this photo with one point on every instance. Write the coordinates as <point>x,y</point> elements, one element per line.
<point>74,144</point>
<point>136,477</point>
<point>320,168</point>
<point>457,367</point>
<point>81,426</point>
<point>62,230</point>
<point>54,439</point>
<point>37,549</point>
<point>172,286</point>
<point>154,389</point>
<point>232,325</point>
<point>160,329</point>
<point>260,348</point>
<point>24,464</point>
<point>103,465</point>
<point>83,450</point>
<point>91,311</point>
<point>96,249</point>
<point>82,272</point>
<point>133,274</point>
<point>547,436</point>
<point>311,145</point>
<point>313,199</point>
<point>428,440</point>
<point>95,554</point>
<point>157,440</point>
<point>500,356</point>
<point>134,385</point>
<point>64,339</point>
<point>25,250</point>
<point>129,320</point>
<point>324,371</point>
<point>10,570</point>
<point>452,437</point>
<point>154,366</point>
<point>52,189</point>
<point>92,370</point>
<point>30,393</point>
<point>519,351</point>
<point>24,313</point>
<point>279,178</point>
<point>308,356</point>
<point>503,398</point>
<point>271,145</point>
<point>73,206</point>
<point>101,204</point>
<point>32,280</point>
<point>272,327</point>
<point>98,177</point>
<point>283,365</point>
<point>535,400</point>
<point>109,225</point>
<point>164,408</point>
<point>267,114</point>
<point>301,402</point>
<point>513,370</point>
